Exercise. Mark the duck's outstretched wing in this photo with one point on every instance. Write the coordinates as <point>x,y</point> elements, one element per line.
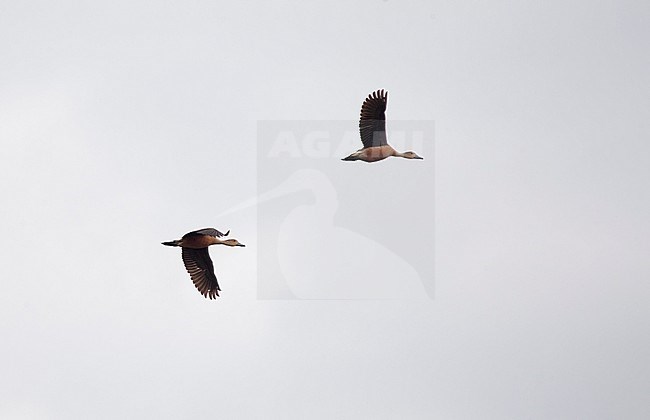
<point>372,125</point>
<point>206,231</point>
<point>199,265</point>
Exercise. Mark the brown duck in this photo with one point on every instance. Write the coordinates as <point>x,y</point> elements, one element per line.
<point>372,127</point>
<point>197,259</point>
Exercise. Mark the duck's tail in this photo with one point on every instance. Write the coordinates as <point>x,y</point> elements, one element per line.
<point>175,242</point>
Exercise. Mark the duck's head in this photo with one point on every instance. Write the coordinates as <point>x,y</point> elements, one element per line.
<point>411,155</point>
<point>232,242</point>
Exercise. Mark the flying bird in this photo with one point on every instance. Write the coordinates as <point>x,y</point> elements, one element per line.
<point>372,127</point>
<point>197,259</point>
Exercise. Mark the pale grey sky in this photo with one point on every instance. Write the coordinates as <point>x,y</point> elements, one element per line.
<point>124,124</point>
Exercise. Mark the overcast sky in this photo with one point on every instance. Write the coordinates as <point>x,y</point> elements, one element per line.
<point>511,265</point>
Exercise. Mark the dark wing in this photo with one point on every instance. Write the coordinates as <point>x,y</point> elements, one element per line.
<point>372,125</point>
<point>199,265</point>
<point>206,231</point>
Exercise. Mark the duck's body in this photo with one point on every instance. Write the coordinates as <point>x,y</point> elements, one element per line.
<point>373,154</point>
<point>199,239</point>
<point>197,258</point>
<point>372,128</point>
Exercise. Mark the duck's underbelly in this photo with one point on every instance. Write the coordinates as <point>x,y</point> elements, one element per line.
<point>197,242</point>
<point>374,154</point>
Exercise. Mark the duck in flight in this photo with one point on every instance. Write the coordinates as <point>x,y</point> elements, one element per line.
<point>197,259</point>
<point>372,127</point>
